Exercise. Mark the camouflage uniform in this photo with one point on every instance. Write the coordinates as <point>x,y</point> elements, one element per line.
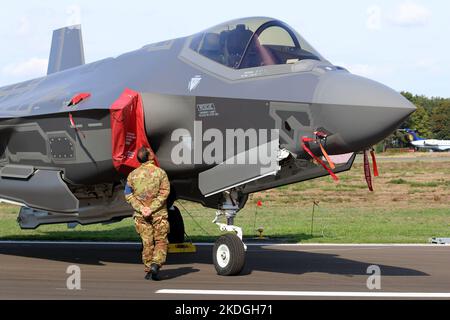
<point>148,186</point>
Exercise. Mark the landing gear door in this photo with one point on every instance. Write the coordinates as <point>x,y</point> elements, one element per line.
<point>238,171</point>
<point>127,131</point>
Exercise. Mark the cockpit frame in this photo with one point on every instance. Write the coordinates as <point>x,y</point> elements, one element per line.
<point>241,70</point>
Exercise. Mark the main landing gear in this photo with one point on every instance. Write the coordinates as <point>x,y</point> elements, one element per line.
<point>229,250</point>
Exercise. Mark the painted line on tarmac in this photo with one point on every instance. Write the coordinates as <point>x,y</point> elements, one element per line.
<point>307,293</point>
<point>211,244</point>
<point>336,244</point>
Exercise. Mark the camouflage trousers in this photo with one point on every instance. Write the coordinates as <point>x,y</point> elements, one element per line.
<point>153,232</point>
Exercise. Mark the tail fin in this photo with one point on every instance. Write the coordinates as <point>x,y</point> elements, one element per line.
<point>413,135</point>
<point>67,49</point>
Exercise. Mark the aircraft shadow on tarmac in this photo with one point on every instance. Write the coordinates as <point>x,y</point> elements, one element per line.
<point>168,274</point>
<point>258,259</point>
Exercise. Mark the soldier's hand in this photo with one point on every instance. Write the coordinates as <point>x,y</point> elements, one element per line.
<point>146,212</point>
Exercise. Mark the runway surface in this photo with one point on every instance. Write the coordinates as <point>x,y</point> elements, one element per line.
<point>114,271</point>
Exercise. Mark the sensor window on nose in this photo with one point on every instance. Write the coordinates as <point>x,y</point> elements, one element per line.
<point>287,126</point>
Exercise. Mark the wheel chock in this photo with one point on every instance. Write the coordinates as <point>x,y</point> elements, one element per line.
<point>182,248</point>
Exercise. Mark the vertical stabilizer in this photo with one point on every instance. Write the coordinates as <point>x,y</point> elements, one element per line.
<point>413,135</point>
<point>67,49</point>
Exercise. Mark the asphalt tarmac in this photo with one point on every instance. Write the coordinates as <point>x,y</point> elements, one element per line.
<point>114,271</point>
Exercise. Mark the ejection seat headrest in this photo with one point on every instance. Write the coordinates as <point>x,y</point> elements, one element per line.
<point>238,39</point>
<point>211,42</point>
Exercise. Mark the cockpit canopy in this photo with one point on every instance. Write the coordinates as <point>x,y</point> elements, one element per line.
<point>253,42</point>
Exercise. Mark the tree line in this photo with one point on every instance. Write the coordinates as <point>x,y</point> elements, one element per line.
<point>431,120</point>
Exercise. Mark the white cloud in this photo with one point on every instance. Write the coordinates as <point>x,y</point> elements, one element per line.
<point>31,68</point>
<point>364,70</point>
<point>406,14</point>
<point>431,66</point>
<point>367,70</point>
<point>373,21</point>
<point>24,26</point>
<point>410,14</point>
<point>74,15</point>
<point>426,63</point>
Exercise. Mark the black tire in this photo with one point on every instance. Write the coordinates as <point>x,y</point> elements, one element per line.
<point>176,234</point>
<point>229,255</point>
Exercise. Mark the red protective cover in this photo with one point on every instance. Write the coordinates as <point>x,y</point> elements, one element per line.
<point>78,98</point>
<point>128,131</point>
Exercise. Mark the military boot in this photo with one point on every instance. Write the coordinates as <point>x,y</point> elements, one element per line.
<point>155,271</point>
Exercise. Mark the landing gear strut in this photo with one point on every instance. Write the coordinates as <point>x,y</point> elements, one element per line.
<point>229,249</point>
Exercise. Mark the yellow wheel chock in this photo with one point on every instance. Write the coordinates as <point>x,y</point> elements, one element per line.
<point>182,248</point>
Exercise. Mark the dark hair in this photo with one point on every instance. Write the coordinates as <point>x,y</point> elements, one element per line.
<point>144,155</point>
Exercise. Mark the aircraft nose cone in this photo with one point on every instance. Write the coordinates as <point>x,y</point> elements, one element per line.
<point>360,112</point>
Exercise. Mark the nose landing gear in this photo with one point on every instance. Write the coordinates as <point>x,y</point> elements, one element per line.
<point>229,249</point>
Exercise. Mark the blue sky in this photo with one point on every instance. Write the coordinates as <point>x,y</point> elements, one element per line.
<point>401,43</point>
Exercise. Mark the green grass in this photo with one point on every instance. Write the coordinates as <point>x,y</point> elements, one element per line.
<point>410,204</point>
<point>415,184</point>
<point>342,225</point>
<point>425,184</point>
<point>398,181</point>
<point>343,187</point>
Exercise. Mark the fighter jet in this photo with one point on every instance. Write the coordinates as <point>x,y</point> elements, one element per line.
<point>68,140</point>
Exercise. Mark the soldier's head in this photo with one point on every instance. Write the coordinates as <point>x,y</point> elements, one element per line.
<point>145,155</point>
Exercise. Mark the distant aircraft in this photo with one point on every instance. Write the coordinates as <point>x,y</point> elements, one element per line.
<point>68,140</point>
<point>429,144</point>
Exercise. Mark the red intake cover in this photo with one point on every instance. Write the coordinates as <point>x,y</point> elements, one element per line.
<point>128,131</point>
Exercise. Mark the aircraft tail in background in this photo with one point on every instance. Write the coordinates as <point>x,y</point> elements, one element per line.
<point>413,136</point>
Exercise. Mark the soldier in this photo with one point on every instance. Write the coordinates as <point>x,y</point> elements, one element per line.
<point>146,191</point>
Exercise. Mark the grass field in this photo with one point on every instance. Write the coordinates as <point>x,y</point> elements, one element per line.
<point>411,203</point>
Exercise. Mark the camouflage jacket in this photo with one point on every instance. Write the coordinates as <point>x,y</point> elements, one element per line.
<point>148,186</point>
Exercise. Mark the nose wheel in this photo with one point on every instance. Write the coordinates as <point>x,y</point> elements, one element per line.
<point>229,249</point>
<point>229,255</point>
